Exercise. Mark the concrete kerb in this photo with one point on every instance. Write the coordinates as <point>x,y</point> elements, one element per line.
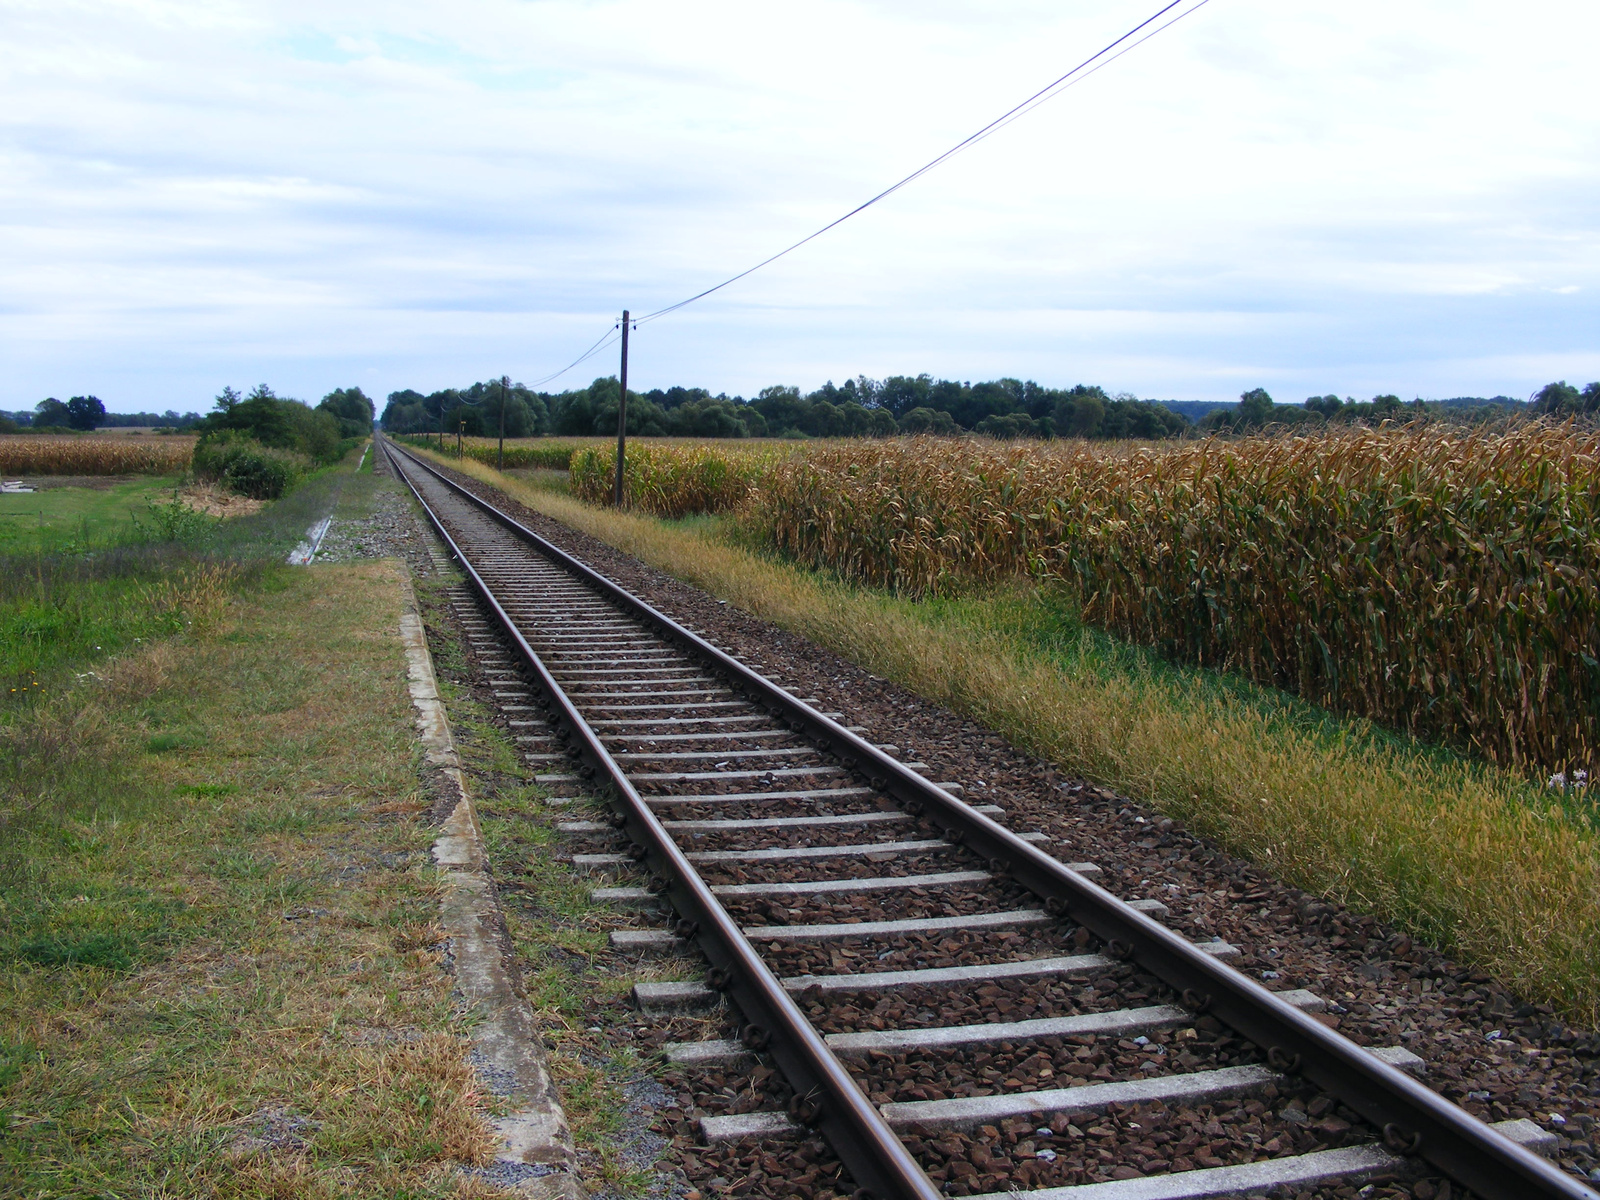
<point>536,1156</point>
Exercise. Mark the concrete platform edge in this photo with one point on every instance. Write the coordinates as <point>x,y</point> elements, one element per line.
<point>507,1048</point>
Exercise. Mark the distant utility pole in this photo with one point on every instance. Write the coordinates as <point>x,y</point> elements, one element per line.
<point>622,412</point>
<point>441,427</point>
<point>500,456</point>
<point>460,426</point>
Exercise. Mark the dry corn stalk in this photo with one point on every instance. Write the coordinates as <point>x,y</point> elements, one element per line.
<point>41,454</point>
<point>671,481</point>
<point>1441,582</point>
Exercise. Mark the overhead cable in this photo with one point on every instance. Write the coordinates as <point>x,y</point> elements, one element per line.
<point>1102,58</point>
<point>1078,73</point>
<point>606,339</point>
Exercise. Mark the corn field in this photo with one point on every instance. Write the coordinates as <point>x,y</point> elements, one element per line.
<point>1443,583</point>
<point>41,454</point>
<point>519,455</point>
<point>671,480</point>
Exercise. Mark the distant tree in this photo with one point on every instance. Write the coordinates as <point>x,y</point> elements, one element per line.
<point>928,420</point>
<point>824,420</point>
<point>1329,405</point>
<point>1007,426</point>
<point>274,421</point>
<point>50,411</point>
<point>782,408</point>
<point>1387,405</point>
<point>85,412</point>
<point>1127,416</point>
<point>259,414</point>
<point>1557,399</point>
<point>1079,413</point>
<point>900,394</point>
<point>755,425</point>
<point>403,412</point>
<point>676,397</point>
<point>1255,407</point>
<point>352,409</point>
<point>708,417</point>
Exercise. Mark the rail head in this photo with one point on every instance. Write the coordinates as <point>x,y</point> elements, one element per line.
<point>1412,1116</point>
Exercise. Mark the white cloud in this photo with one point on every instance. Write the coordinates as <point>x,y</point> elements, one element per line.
<point>1356,197</point>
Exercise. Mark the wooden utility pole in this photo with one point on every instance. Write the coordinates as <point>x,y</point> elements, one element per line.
<point>500,455</point>
<point>460,426</point>
<point>622,412</point>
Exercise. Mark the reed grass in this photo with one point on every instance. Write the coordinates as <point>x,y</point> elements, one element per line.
<point>42,454</point>
<point>1468,856</point>
<point>1442,582</point>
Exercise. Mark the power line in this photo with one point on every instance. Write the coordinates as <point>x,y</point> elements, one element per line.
<point>1045,93</point>
<point>1102,58</point>
<point>605,340</point>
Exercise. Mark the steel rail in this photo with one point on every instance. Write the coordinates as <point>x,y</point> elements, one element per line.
<point>1414,1120</point>
<point>827,1097</point>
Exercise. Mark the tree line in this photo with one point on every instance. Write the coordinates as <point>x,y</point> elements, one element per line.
<point>861,407</point>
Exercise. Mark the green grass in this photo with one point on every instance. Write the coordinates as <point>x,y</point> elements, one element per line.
<point>66,520</point>
<point>544,478</point>
<point>217,965</point>
<point>117,573</point>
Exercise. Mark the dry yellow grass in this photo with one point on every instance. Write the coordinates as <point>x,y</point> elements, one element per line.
<point>1467,856</point>
<point>40,454</point>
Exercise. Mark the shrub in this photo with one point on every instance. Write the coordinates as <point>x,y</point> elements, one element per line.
<point>246,466</point>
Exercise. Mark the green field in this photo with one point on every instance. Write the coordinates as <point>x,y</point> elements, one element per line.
<point>68,519</point>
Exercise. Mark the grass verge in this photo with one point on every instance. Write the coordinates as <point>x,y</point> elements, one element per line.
<point>1471,858</point>
<point>218,970</point>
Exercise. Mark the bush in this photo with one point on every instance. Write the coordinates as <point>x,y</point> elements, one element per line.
<point>244,465</point>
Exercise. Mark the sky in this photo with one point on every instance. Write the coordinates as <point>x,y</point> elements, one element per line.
<point>1351,197</point>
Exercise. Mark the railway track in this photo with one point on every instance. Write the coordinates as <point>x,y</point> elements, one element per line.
<point>867,926</point>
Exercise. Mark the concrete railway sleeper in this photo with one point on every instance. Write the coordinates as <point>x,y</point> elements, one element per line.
<point>908,867</point>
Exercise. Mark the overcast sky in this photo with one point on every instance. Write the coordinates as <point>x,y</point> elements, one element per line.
<point>1351,196</point>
